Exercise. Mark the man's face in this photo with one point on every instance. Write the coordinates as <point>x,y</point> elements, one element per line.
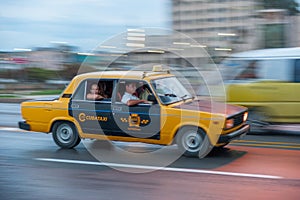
<point>130,88</point>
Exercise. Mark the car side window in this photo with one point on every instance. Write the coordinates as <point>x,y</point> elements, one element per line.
<point>142,90</point>
<point>94,90</point>
<point>98,90</point>
<point>297,71</point>
<point>250,71</point>
<point>79,94</point>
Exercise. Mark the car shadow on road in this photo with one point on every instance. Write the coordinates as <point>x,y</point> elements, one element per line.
<point>139,154</point>
<point>216,158</point>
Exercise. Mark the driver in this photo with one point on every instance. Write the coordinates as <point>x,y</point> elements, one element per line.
<point>128,97</point>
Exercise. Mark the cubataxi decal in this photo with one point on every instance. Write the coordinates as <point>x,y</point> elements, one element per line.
<point>83,117</point>
<point>134,121</point>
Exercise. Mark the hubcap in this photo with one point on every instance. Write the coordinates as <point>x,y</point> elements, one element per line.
<point>192,141</point>
<point>64,133</point>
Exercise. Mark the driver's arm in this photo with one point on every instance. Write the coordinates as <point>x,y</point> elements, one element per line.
<point>134,102</point>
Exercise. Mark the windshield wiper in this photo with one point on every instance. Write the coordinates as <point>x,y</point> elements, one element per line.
<point>170,95</point>
<point>188,97</point>
<point>184,96</point>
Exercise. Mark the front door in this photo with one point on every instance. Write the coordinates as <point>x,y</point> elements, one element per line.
<point>140,120</point>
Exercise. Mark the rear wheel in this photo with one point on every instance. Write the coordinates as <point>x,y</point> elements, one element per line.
<point>65,135</point>
<point>193,142</point>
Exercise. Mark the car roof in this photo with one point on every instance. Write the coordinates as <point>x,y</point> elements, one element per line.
<point>125,74</point>
<point>134,75</point>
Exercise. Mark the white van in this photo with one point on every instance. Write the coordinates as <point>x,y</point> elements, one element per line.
<point>266,81</point>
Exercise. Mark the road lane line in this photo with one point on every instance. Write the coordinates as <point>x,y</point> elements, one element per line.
<point>160,168</point>
<point>11,129</point>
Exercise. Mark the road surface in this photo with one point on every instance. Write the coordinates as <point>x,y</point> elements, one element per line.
<point>33,167</point>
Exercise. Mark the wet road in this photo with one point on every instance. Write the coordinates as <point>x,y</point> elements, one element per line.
<point>257,167</point>
<point>10,114</point>
<point>33,167</point>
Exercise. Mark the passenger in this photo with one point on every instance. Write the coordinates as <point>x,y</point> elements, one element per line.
<point>128,97</point>
<point>249,72</point>
<point>95,93</point>
<point>143,92</point>
<point>103,90</point>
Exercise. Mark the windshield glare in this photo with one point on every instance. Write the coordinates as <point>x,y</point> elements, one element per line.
<point>170,90</point>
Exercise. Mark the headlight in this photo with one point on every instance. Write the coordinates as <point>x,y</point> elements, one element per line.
<point>229,123</point>
<point>245,116</point>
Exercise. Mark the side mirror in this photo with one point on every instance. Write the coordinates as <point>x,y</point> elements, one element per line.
<point>152,98</point>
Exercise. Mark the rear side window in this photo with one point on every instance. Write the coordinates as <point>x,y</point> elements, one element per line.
<point>87,87</point>
<point>101,88</point>
<point>297,71</point>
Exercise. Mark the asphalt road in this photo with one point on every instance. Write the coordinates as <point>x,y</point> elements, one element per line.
<point>10,114</point>
<point>33,167</point>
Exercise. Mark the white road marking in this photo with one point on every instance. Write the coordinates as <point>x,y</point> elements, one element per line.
<point>10,129</point>
<point>159,168</point>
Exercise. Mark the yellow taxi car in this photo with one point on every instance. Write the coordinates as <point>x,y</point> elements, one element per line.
<point>167,113</point>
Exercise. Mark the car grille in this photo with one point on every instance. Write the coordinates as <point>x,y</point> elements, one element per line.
<point>238,119</point>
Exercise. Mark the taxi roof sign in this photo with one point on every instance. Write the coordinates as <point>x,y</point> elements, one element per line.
<point>157,68</point>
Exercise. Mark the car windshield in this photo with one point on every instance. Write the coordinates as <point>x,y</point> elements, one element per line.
<point>170,90</point>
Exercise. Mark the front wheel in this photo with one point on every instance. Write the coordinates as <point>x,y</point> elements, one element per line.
<point>65,135</point>
<point>193,142</point>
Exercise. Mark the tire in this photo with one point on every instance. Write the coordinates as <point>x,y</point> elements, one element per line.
<point>65,135</point>
<point>193,142</point>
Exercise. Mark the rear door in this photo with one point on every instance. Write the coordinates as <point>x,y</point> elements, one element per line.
<point>93,116</point>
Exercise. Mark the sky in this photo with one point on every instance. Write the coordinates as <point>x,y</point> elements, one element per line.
<point>81,23</point>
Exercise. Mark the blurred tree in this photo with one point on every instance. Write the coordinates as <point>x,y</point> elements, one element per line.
<point>290,5</point>
<point>69,71</point>
<point>39,74</point>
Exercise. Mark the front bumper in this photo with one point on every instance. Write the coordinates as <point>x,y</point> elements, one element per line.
<point>235,135</point>
<point>23,125</point>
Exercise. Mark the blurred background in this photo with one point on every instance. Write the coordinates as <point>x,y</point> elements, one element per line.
<point>43,43</point>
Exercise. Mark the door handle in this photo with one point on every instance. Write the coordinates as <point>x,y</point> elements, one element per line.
<point>74,106</point>
<point>116,108</point>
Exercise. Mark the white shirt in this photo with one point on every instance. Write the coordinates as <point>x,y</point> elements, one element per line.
<point>126,97</point>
